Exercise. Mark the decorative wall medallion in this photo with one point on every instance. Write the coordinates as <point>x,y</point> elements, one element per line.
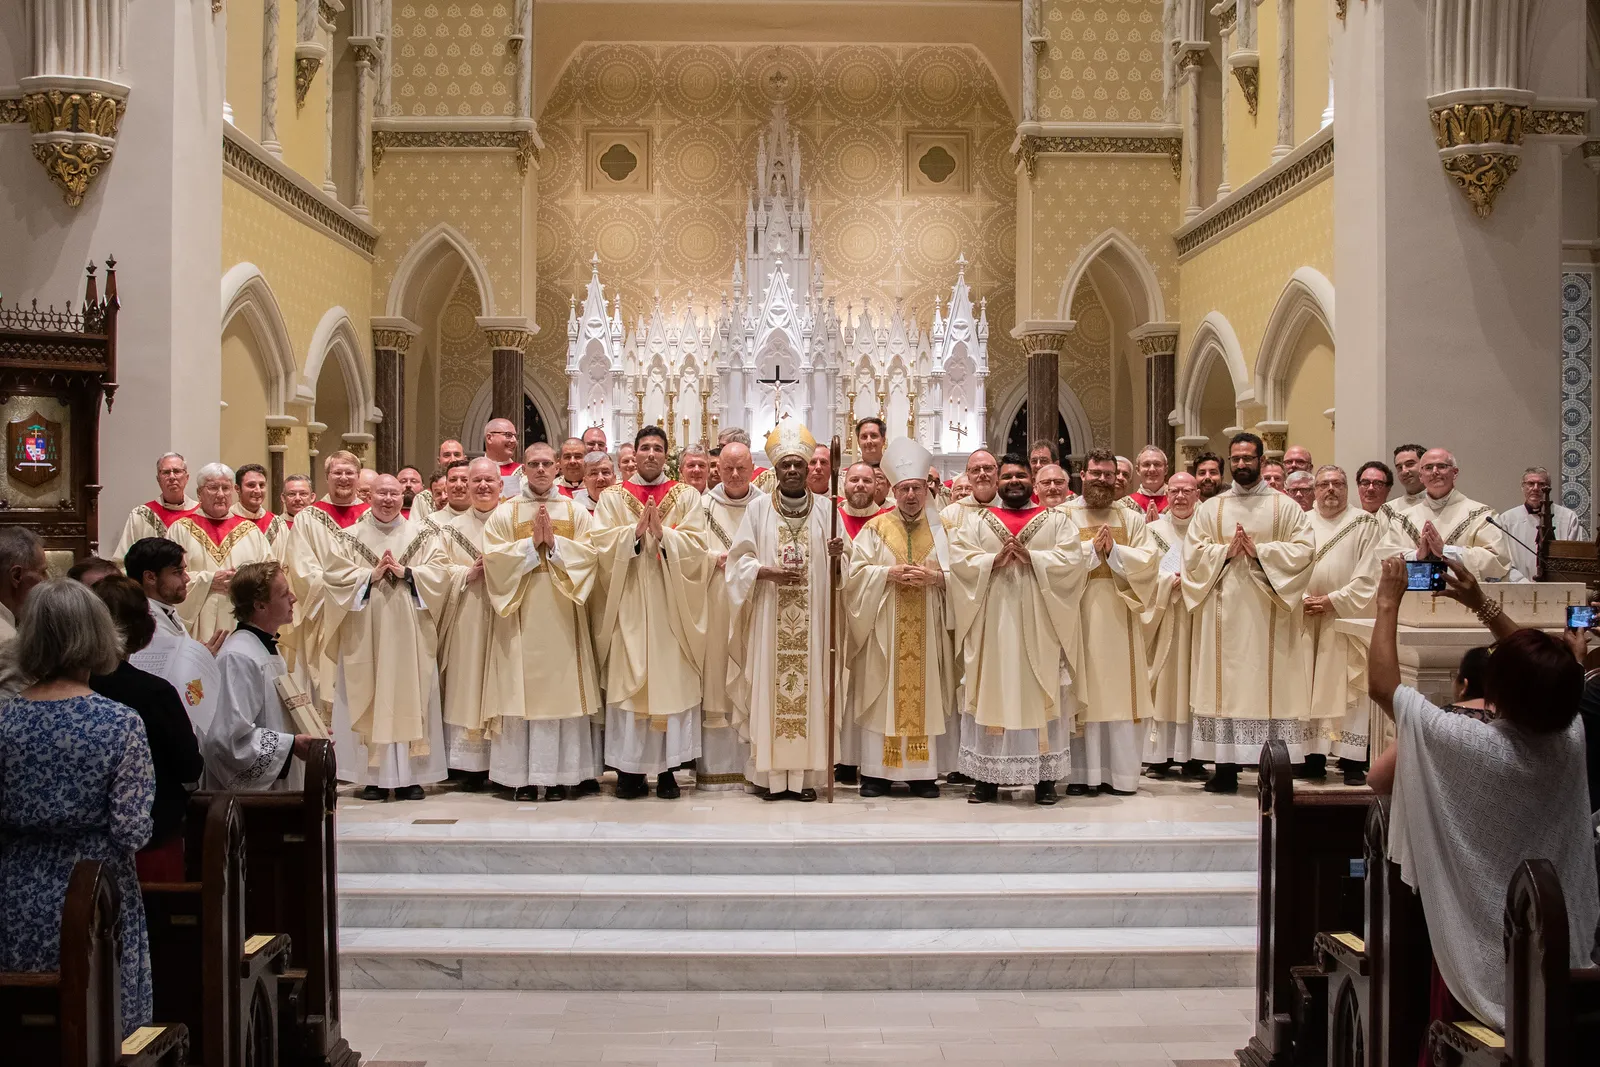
<point>74,135</point>
<point>1480,145</point>
<point>938,162</point>
<point>1577,392</point>
<point>619,161</point>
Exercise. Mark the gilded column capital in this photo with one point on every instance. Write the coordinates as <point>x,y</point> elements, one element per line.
<point>512,332</point>
<point>1246,67</point>
<point>277,438</point>
<point>1156,338</point>
<point>1190,56</point>
<point>74,123</point>
<point>393,332</point>
<point>308,57</point>
<point>1043,337</point>
<point>1190,447</point>
<point>1274,437</point>
<point>356,443</point>
<point>1479,134</point>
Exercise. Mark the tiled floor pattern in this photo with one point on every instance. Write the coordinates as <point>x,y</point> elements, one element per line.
<point>1139,1028</point>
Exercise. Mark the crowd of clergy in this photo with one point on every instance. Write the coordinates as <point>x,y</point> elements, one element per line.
<point>531,619</point>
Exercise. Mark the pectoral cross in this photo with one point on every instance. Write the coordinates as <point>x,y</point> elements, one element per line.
<point>777,381</point>
<point>960,431</point>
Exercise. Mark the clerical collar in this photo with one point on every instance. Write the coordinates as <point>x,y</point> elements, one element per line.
<point>265,638</point>
<point>530,493</point>
<point>183,504</point>
<point>657,480</point>
<point>860,513</point>
<point>719,493</point>
<point>1179,524</point>
<point>1027,505</point>
<point>244,512</point>
<point>1258,489</point>
<point>380,524</point>
<point>1442,502</point>
<point>792,506</point>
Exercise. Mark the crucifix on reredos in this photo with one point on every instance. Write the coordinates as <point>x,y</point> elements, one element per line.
<point>781,390</point>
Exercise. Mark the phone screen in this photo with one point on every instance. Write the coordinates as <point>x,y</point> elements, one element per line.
<point>1425,575</point>
<point>1580,616</point>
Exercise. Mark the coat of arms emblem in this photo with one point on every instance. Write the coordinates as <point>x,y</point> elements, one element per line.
<point>34,445</point>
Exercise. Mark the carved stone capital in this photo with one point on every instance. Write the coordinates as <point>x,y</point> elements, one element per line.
<point>1190,58</point>
<point>1480,142</point>
<point>1043,338</point>
<point>277,438</point>
<point>1591,155</point>
<point>1340,7</point>
<point>74,129</point>
<point>1189,449</point>
<point>1156,339</point>
<point>1274,437</point>
<point>1249,79</point>
<point>305,70</point>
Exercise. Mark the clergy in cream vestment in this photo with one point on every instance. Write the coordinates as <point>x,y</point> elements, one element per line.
<point>318,541</point>
<point>542,691</point>
<point>215,543</point>
<point>151,519</point>
<point>1169,633</point>
<point>1449,524</point>
<point>1113,694</point>
<point>650,538</point>
<point>384,604</point>
<point>1522,524</point>
<point>157,564</point>
<point>1246,563</point>
<point>725,698</point>
<point>1344,582</point>
<point>250,502</point>
<point>1016,578</point>
<point>778,567</point>
<point>858,485</point>
<point>902,662</point>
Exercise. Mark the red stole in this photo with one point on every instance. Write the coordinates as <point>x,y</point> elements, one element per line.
<point>1015,518</point>
<point>216,529</point>
<point>649,494</point>
<point>167,515</point>
<point>1144,500</point>
<point>343,515</point>
<point>405,513</point>
<point>508,469</point>
<point>563,490</point>
<point>261,523</point>
<point>853,523</point>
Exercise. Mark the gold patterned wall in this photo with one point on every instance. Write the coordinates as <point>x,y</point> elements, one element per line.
<point>463,357</point>
<point>704,107</point>
<point>1086,363</point>
<point>1102,63</point>
<point>450,59</point>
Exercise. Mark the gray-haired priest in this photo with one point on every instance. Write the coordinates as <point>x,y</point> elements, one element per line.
<point>541,688</point>
<point>384,603</point>
<point>778,565</point>
<point>215,543</point>
<point>902,663</point>
<point>725,739</point>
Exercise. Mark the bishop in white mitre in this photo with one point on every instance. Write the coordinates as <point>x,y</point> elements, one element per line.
<point>215,542</point>
<point>725,696</point>
<point>383,607</point>
<point>1344,585</point>
<point>902,677</point>
<point>467,636</point>
<point>650,539</point>
<point>541,691</point>
<point>1169,637</point>
<point>1113,695</point>
<point>152,518</point>
<point>1016,579</point>
<point>1448,524</point>
<point>1246,563</point>
<point>779,567</point>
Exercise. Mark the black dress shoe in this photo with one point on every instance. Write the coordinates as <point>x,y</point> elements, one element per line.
<point>805,796</point>
<point>874,787</point>
<point>1223,783</point>
<point>1195,770</point>
<point>845,774</point>
<point>1118,792</point>
<point>983,793</point>
<point>1044,794</point>
<point>1314,769</point>
<point>957,778</point>
<point>1355,776</point>
<point>1160,770</point>
<point>1078,789</point>
<point>373,793</point>
<point>667,786</point>
<point>474,781</point>
<point>778,794</point>
<point>526,793</point>
<point>587,787</point>
<point>631,786</point>
<point>409,792</point>
<point>927,789</point>
<point>554,793</point>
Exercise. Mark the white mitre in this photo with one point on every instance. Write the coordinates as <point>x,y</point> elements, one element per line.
<point>905,460</point>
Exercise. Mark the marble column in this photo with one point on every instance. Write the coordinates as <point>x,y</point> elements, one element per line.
<point>1285,143</point>
<point>269,79</point>
<point>1042,344</point>
<point>314,432</point>
<point>508,342</point>
<point>1158,341</point>
<point>1189,60</point>
<point>277,444</point>
<point>391,339</point>
<point>366,54</point>
<point>1227,18</point>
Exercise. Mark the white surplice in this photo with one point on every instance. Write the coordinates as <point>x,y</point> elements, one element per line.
<point>1169,638</point>
<point>184,663</point>
<point>252,735</point>
<point>1345,570</point>
<point>1522,524</point>
<point>1463,524</point>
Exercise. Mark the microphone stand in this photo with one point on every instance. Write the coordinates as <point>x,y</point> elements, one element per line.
<point>1491,521</point>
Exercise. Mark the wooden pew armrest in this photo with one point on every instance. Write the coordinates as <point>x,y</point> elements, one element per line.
<point>1342,951</point>
<point>156,1046</point>
<point>264,952</point>
<point>1466,1044</point>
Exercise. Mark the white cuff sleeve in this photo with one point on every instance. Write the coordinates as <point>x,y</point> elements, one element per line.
<point>1114,561</point>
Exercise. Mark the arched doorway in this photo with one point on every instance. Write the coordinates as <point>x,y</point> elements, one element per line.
<point>533,427</point>
<point>1017,434</point>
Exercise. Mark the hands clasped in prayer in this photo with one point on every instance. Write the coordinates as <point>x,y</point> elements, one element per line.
<point>1012,552</point>
<point>1242,542</point>
<point>1429,544</point>
<point>544,533</point>
<point>387,568</point>
<point>649,525</point>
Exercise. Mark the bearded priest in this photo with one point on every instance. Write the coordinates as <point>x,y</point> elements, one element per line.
<point>1016,581</point>
<point>650,539</point>
<point>541,693</point>
<point>778,567</point>
<point>902,663</point>
<point>215,543</point>
<point>725,698</point>
<point>384,602</point>
<point>856,510</point>
<point>1246,562</point>
<point>152,519</point>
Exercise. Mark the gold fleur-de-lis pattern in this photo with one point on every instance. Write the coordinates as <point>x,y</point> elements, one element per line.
<point>452,59</point>
<point>1102,62</point>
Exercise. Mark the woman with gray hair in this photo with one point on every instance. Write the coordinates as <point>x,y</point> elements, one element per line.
<point>76,783</point>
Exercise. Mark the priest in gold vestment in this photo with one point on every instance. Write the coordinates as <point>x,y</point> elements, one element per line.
<point>215,543</point>
<point>778,574</point>
<point>384,603</point>
<point>1169,637</point>
<point>319,542</point>
<point>856,510</point>
<point>1444,523</point>
<point>1016,578</point>
<point>152,519</point>
<point>250,502</point>
<point>541,685</point>
<point>725,698</point>
<point>650,539</point>
<point>1113,693</point>
<point>1246,563</point>
<point>902,663</point>
<point>1343,585</point>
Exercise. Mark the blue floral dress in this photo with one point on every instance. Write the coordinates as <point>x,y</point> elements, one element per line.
<point>76,783</point>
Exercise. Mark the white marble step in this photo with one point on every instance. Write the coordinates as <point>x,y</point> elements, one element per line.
<point>797,902</point>
<point>531,847</point>
<point>1002,958</point>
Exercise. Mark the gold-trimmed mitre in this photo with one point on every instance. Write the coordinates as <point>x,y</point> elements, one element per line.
<point>789,438</point>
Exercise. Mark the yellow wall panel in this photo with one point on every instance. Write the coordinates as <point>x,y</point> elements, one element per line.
<point>1102,63</point>
<point>1311,19</point>
<point>243,82</point>
<point>452,59</point>
<point>1251,137</point>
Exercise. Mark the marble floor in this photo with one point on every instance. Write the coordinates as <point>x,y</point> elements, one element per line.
<point>1138,1028</point>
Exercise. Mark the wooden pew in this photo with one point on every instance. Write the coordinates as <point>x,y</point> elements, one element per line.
<point>1306,884</point>
<point>209,972</point>
<point>1376,993</point>
<point>1552,1011</point>
<point>72,1017</point>
<point>293,888</point>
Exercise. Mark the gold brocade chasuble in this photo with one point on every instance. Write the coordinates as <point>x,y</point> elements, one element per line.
<point>386,642</point>
<point>1464,523</point>
<point>318,542</point>
<point>1247,660</point>
<point>1014,626</point>
<point>1344,569</point>
<point>212,545</point>
<point>902,663</point>
<point>1115,680</point>
<point>542,666</point>
<point>649,627</point>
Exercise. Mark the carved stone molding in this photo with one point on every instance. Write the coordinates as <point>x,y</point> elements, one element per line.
<point>277,183</point>
<point>524,142</point>
<point>12,111</point>
<point>1480,146</point>
<point>1032,146</point>
<point>74,131</point>
<point>305,70</point>
<point>1311,162</point>
<point>1560,122</point>
<point>1190,59</point>
<point>1591,154</point>
<point>1340,7</point>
